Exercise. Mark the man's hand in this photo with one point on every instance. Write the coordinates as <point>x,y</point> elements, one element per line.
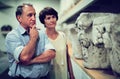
<point>33,33</point>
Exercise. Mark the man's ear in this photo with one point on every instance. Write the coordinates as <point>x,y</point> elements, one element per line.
<point>18,18</point>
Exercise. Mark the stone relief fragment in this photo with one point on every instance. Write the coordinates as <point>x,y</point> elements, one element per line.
<point>115,40</point>
<point>71,31</point>
<point>99,37</point>
<point>95,38</point>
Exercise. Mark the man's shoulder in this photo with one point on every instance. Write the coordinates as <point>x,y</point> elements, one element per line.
<point>13,32</point>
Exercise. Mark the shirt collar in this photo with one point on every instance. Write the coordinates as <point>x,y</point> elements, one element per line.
<point>22,30</point>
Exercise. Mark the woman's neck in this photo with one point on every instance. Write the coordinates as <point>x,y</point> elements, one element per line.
<point>52,33</point>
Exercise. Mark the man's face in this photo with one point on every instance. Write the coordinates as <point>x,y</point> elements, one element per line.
<point>28,19</point>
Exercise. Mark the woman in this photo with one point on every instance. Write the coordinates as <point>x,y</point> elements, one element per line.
<point>61,64</point>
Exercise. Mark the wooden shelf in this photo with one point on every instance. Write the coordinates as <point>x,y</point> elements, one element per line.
<point>78,7</point>
<point>93,73</point>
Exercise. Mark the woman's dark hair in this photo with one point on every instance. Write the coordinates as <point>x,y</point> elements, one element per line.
<point>47,11</point>
<point>19,9</point>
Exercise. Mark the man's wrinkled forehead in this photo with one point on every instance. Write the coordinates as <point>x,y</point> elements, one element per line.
<point>29,9</point>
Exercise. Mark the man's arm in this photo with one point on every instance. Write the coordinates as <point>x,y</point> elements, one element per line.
<point>28,51</point>
<point>46,56</point>
<point>43,58</point>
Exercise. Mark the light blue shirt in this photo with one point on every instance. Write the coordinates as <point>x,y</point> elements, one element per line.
<point>15,42</point>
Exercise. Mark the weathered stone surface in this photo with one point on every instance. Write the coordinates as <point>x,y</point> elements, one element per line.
<point>95,38</point>
<point>115,40</point>
<point>99,36</point>
<point>72,34</point>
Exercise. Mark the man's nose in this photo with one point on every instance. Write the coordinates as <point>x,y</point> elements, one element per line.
<point>33,17</point>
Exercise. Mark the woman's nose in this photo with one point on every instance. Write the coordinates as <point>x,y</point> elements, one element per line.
<point>52,19</point>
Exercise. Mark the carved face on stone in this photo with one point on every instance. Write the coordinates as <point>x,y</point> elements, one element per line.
<point>94,40</point>
<point>101,31</point>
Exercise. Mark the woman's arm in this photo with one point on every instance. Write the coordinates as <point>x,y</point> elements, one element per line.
<point>70,69</point>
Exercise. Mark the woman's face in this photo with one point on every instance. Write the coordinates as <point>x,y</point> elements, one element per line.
<point>50,21</point>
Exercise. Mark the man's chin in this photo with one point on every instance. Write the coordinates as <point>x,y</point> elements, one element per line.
<point>32,25</point>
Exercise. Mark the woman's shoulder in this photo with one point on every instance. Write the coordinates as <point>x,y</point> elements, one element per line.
<point>61,33</point>
<point>42,33</point>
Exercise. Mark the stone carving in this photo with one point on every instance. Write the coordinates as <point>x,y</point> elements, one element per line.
<point>99,37</point>
<point>91,40</point>
<point>95,38</point>
<point>115,40</point>
<point>72,33</point>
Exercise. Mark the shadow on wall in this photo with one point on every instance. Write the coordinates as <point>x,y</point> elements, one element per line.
<point>5,29</point>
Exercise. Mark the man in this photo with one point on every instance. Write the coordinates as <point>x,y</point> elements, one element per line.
<point>29,50</point>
